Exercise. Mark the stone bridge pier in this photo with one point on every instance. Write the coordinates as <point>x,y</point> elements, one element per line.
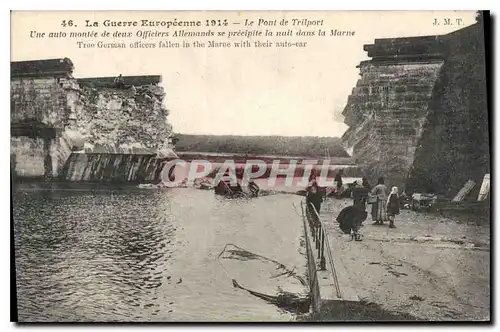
<point>42,102</point>
<point>86,129</point>
<point>32,147</point>
<point>418,114</point>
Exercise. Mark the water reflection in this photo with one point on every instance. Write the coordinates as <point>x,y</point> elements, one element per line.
<point>141,255</point>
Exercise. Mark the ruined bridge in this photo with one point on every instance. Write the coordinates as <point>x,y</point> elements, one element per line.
<point>84,129</point>
<point>418,114</point>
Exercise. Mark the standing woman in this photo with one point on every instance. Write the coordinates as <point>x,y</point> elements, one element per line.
<point>393,206</point>
<point>379,207</point>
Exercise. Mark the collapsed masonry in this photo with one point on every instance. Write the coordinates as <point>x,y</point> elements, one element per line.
<point>54,116</point>
<point>131,120</point>
<point>418,115</point>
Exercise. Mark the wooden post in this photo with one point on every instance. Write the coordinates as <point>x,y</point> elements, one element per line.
<point>13,164</point>
<point>485,188</point>
<point>464,191</point>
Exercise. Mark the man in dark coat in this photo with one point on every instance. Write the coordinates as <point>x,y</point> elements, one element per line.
<point>338,181</point>
<point>314,196</point>
<point>360,196</point>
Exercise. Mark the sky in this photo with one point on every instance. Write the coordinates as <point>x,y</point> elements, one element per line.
<point>252,91</point>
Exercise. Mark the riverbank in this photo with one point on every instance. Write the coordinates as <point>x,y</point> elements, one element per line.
<point>429,268</point>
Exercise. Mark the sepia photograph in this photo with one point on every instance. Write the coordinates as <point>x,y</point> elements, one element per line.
<point>250,166</point>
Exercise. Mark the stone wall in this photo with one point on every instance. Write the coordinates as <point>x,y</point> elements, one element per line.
<point>64,114</point>
<point>386,112</point>
<point>45,99</point>
<point>418,115</point>
<point>455,144</point>
<point>28,159</point>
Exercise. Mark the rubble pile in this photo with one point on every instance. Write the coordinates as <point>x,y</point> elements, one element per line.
<point>132,120</point>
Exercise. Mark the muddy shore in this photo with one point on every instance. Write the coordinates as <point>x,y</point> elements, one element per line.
<point>429,268</point>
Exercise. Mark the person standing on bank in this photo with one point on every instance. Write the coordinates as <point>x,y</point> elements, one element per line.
<point>393,206</point>
<point>338,180</point>
<point>360,195</point>
<point>119,82</point>
<point>379,213</point>
<point>315,198</point>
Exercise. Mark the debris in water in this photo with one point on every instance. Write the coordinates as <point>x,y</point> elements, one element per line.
<point>416,298</point>
<point>396,273</point>
<point>265,278</point>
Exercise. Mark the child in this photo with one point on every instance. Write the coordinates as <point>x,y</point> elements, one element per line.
<point>393,206</point>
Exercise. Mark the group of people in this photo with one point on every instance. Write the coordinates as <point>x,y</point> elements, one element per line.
<point>119,82</point>
<point>385,205</point>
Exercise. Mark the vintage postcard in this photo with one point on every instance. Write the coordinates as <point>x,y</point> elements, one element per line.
<point>250,166</point>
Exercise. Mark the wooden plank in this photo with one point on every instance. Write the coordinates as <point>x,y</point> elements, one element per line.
<point>485,188</point>
<point>464,191</point>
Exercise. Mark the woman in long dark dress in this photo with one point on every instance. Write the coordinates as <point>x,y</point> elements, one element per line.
<point>350,219</point>
<point>393,206</point>
<point>379,213</point>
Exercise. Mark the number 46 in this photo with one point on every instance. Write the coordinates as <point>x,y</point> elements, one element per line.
<point>69,23</point>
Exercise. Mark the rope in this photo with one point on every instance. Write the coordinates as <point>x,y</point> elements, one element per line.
<point>222,266</point>
<point>296,211</point>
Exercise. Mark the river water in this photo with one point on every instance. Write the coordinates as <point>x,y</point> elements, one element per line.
<point>145,255</point>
